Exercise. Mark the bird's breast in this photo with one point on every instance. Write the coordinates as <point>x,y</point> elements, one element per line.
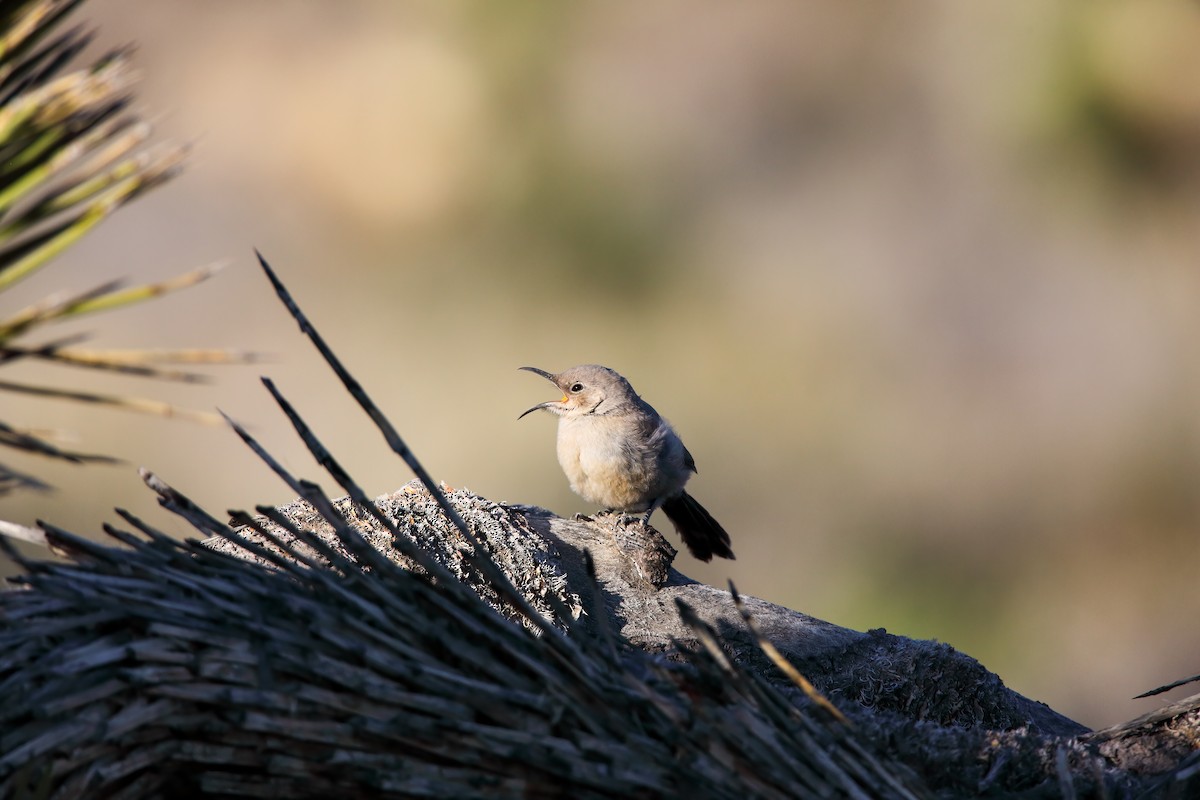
<point>610,462</point>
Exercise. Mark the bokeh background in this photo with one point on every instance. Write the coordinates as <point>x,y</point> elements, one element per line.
<point>918,282</point>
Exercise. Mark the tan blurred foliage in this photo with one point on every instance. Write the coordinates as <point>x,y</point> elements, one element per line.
<point>919,284</point>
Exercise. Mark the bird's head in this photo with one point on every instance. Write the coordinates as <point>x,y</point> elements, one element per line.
<point>587,389</point>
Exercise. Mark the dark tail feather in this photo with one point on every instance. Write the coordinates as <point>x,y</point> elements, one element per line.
<point>702,534</point>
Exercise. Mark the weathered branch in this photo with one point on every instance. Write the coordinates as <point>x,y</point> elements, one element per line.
<point>920,702</point>
<point>283,657</point>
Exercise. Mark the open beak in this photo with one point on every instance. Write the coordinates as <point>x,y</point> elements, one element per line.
<point>550,377</point>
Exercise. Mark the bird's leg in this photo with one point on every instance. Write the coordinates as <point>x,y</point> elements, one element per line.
<point>643,518</point>
<point>653,507</point>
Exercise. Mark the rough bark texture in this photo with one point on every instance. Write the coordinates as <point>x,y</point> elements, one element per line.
<point>921,680</point>
<point>639,590</point>
<point>274,662</point>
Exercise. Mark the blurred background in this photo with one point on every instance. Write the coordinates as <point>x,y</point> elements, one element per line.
<point>918,283</point>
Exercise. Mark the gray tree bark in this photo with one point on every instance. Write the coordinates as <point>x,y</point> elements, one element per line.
<point>273,661</point>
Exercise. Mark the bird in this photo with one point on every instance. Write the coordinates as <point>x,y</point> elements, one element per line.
<point>619,453</point>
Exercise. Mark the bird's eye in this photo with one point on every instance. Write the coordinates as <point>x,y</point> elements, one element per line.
<point>576,387</point>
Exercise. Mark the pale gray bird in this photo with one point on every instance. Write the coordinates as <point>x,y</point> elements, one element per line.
<point>620,454</point>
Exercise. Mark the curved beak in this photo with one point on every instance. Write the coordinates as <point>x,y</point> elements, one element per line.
<point>550,376</point>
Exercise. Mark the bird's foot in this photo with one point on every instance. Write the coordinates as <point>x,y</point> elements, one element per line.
<point>617,518</point>
<point>625,520</point>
